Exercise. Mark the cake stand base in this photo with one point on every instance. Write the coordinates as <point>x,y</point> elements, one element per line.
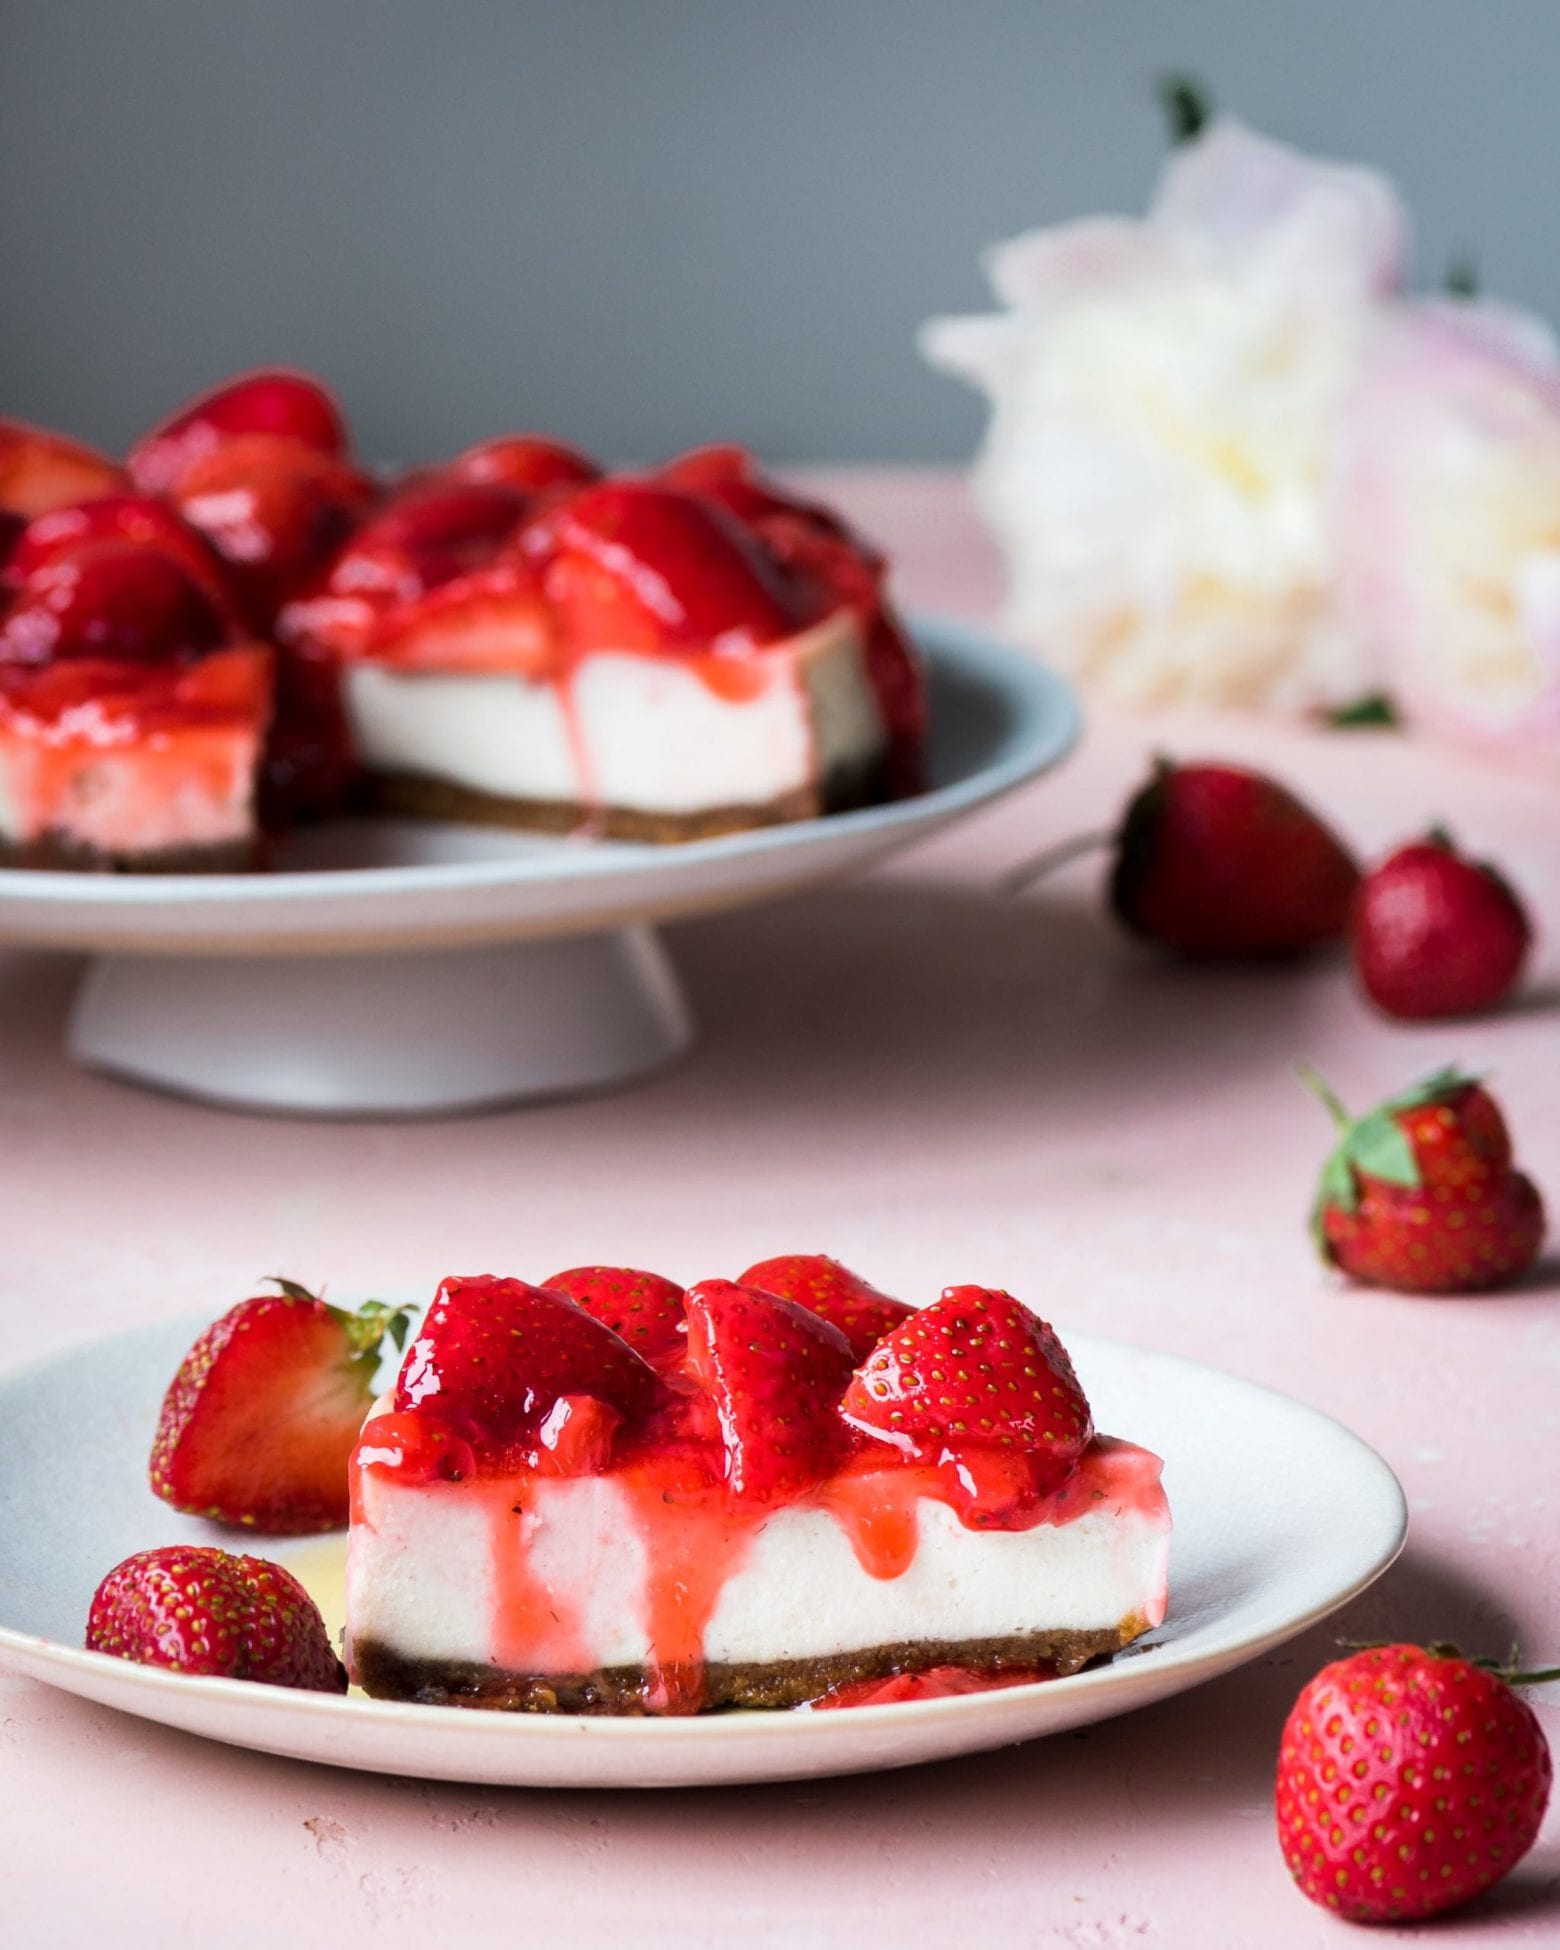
<point>387,1035</point>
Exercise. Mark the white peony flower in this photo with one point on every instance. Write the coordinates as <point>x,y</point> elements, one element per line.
<point>1448,519</point>
<point>1167,397</point>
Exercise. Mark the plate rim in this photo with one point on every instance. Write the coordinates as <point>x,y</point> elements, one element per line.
<point>1134,1674</point>
<point>1052,728</point>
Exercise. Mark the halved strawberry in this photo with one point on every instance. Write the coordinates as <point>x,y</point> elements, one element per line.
<point>729,473</point>
<point>270,400</point>
<point>644,1308</point>
<point>262,1416</point>
<point>975,1370</point>
<point>112,601</point>
<point>40,471</point>
<point>415,1447</point>
<point>495,1355</point>
<point>527,461</point>
<point>775,1373</point>
<point>833,1293</point>
<point>645,567</point>
<point>494,619</point>
<point>275,509</point>
<point>205,1611</point>
<point>430,534</point>
<point>127,518</point>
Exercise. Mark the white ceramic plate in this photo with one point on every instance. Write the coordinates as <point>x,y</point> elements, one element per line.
<point>1307,1519</point>
<point>998,718</point>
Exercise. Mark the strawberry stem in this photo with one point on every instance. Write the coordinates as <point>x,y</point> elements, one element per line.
<point>1027,872</point>
<point>1323,1091</point>
<point>1510,1671</point>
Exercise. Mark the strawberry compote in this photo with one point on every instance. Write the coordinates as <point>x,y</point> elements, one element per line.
<point>543,1517</point>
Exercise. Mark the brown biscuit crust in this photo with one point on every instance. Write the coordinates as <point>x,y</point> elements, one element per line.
<point>56,852</point>
<point>385,1674</point>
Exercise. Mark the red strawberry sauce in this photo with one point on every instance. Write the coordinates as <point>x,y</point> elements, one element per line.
<point>693,1540</point>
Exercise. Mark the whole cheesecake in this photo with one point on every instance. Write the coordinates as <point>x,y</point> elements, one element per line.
<point>608,1495</point>
<point>508,638</point>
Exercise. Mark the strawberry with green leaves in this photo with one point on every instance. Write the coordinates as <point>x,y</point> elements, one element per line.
<point>199,1610</point>
<point>1421,1194</point>
<point>260,1421</point>
<point>1410,1780</point>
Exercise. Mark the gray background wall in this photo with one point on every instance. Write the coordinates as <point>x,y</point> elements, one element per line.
<point>648,222</point>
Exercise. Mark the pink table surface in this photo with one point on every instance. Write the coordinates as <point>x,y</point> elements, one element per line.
<point>933,1085</point>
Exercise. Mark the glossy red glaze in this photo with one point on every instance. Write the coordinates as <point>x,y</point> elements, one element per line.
<point>270,400</point>
<point>937,1682</point>
<point>195,729</point>
<point>644,567</point>
<point>133,518</point>
<point>113,601</point>
<point>494,1355</point>
<point>275,510</point>
<point>414,1448</point>
<point>775,1373</point>
<point>310,770</point>
<point>528,462</point>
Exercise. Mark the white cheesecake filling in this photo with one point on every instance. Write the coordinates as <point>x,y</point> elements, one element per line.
<point>173,790</point>
<point>422,1577</point>
<point>649,734</point>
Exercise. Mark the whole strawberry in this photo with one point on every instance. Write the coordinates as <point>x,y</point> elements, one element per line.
<point>259,1423</point>
<point>205,1611</point>
<point>1435,934</point>
<point>1421,1195</point>
<point>1409,1781</point>
<point>1219,861</point>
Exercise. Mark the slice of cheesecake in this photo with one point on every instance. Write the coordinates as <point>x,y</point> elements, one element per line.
<point>605,1495</point>
<point>133,709</point>
<point>626,657</point>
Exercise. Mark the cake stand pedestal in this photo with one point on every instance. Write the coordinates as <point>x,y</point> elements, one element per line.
<point>387,1035</point>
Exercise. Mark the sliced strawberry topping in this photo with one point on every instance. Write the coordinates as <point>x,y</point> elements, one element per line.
<point>494,619</point>
<point>205,1611</point>
<point>644,1308</point>
<point>415,1448</point>
<point>775,1373</point>
<point>975,1371</point>
<point>426,536</point>
<point>833,1293</point>
<point>729,474</point>
<point>575,1437</point>
<point>634,566</point>
<point>112,600</point>
<point>275,510</point>
<point>495,1355</point>
<point>263,1414</point>
<point>132,518</point>
<point>270,400</point>
<point>528,462</point>
<point>41,471</point>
